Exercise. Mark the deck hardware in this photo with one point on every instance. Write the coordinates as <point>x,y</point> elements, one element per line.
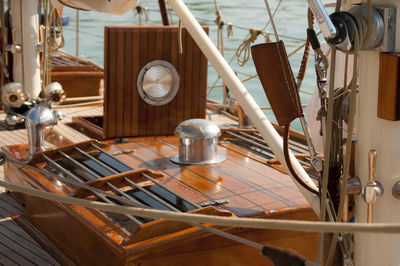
<point>340,28</point>
<point>12,95</point>
<point>198,142</point>
<point>13,120</point>
<point>375,37</point>
<point>123,152</point>
<point>325,23</point>
<point>155,181</point>
<point>3,158</point>
<point>396,190</point>
<point>40,47</point>
<point>373,190</point>
<point>214,203</point>
<point>13,49</point>
<point>389,37</point>
<point>54,93</point>
<point>76,178</point>
<point>38,118</point>
<point>158,82</point>
<point>353,186</point>
<point>316,162</point>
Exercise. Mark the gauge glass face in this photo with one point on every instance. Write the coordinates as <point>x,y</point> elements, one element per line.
<point>158,82</point>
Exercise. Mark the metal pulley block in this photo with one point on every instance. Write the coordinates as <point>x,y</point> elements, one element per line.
<point>356,21</point>
<point>340,28</point>
<point>54,93</point>
<point>12,95</point>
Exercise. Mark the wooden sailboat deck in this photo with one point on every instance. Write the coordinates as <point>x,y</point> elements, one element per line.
<point>16,246</point>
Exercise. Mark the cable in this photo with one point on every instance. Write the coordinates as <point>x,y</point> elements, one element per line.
<point>289,163</point>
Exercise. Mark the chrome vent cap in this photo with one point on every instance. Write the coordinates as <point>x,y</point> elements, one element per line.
<point>198,142</point>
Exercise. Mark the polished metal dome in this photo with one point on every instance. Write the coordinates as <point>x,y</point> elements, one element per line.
<point>158,82</point>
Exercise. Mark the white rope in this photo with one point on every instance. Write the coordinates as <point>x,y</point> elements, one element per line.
<point>210,219</point>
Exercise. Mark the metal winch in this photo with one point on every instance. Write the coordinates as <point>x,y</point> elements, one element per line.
<point>198,142</point>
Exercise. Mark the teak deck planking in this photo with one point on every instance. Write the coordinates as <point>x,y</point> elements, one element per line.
<point>251,190</point>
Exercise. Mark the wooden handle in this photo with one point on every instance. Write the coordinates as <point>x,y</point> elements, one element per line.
<point>371,164</point>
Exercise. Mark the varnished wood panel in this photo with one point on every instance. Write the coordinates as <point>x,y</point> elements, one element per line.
<point>218,251</point>
<point>252,188</point>
<point>388,90</point>
<point>127,50</point>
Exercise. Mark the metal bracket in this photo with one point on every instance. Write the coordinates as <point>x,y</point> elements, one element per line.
<point>373,190</point>
<point>396,190</point>
<point>353,186</point>
<point>389,36</point>
<point>214,203</point>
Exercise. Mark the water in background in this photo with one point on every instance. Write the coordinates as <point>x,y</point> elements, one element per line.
<point>290,19</point>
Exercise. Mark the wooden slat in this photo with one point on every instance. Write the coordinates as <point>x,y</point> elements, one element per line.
<point>167,56</point>
<point>120,83</point>
<point>189,62</point>
<point>143,59</point>
<point>159,55</point>
<point>181,93</point>
<point>128,64</point>
<point>4,260</point>
<point>19,253</point>
<point>173,106</point>
<point>135,97</point>
<point>13,255</point>
<point>151,55</point>
<point>21,241</point>
<point>110,62</point>
<point>196,57</point>
<point>202,94</point>
<point>106,113</point>
<point>9,203</point>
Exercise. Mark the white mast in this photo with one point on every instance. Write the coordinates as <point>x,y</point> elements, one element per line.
<point>383,136</point>
<point>25,23</point>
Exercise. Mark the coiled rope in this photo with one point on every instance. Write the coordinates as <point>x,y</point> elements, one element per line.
<point>243,51</point>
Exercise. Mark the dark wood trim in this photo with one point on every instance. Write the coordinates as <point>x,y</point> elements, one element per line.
<point>26,224</point>
<point>164,12</point>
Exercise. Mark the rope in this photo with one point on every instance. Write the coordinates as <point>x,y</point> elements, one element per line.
<point>255,75</point>
<point>77,104</point>
<point>140,11</point>
<point>350,127</point>
<point>289,162</point>
<point>45,72</point>
<point>273,224</point>
<point>56,20</point>
<point>278,255</point>
<point>244,48</point>
<point>180,37</point>
<point>327,151</point>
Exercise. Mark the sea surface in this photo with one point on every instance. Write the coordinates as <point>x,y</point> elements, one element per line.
<point>290,19</point>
